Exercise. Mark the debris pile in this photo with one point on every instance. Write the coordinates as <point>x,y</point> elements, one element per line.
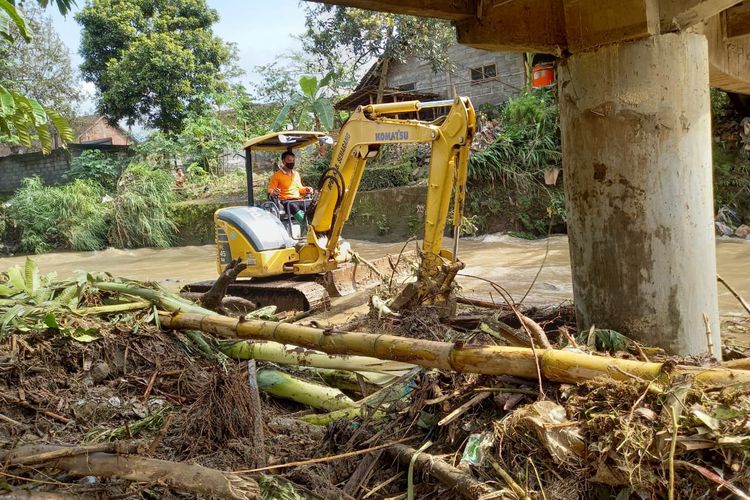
<point>117,388</point>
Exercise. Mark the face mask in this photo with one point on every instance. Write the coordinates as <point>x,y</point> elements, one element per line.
<point>290,166</point>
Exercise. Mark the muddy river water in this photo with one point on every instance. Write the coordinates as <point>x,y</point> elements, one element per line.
<point>509,261</point>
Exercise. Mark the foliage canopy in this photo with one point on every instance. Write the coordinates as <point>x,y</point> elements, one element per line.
<point>365,34</point>
<point>151,60</point>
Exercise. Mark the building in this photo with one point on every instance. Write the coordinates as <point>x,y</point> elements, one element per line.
<point>95,129</point>
<point>485,77</point>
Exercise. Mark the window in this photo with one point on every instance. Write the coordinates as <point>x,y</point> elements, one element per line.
<point>408,86</point>
<point>483,72</point>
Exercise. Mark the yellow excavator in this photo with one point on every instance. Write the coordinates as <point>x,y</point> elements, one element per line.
<point>298,269</point>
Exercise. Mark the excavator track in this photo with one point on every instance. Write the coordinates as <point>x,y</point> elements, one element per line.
<point>313,293</point>
<point>294,294</point>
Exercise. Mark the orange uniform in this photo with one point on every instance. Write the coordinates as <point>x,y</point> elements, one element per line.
<point>290,185</point>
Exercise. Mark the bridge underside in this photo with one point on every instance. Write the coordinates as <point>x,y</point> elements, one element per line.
<point>635,120</point>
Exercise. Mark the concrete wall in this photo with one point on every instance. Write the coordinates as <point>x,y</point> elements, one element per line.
<point>508,82</point>
<point>50,168</point>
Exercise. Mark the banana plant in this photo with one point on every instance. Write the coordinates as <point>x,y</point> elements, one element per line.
<point>309,102</point>
<point>29,300</point>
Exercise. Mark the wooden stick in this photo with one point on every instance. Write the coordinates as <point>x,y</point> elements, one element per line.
<point>180,476</point>
<point>32,455</point>
<point>481,303</point>
<point>10,421</point>
<point>520,492</point>
<point>734,292</point>
<point>383,485</point>
<point>463,408</point>
<point>509,390</point>
<point>258,435</point>
<point>709,335</point>
<point>321,460</point>
<point>28,405</point>
<point>149,386</point>
<point>465,484</point>
<point>536,331</point>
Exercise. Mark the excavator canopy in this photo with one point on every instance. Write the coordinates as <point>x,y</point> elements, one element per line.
<point>277,141</point>
<point>287,139</point>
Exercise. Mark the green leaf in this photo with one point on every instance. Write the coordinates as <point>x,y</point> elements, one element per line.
<point>21,124</point>
<point>10,315</point>
<point>51,321</point>
<point>37,112</point>
<point>16,279</point>
<point>706,419</point>
<point>32,277</point>
<point>64,130</point>
<point>68,297</point>
<point>7,103</point>
<point>326,79</point>
<point>324,110</point>
<point>727,413</point>
<point>85,335</point>
<point>8,9</point>
<point>45,138</point>
<point>309,85</point>
<point>281,118</point>
<point>5,26</point>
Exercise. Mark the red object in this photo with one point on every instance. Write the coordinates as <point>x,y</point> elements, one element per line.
<point>542,75</point>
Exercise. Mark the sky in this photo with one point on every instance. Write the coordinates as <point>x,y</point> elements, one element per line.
<point>262,30</point>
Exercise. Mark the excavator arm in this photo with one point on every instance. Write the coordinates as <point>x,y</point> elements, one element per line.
<point>360,139</point>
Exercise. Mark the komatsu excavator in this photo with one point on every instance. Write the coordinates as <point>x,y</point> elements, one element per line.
<point>300,270</point>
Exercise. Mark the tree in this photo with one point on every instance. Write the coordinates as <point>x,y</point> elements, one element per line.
<point>22,118</point>
<point>41,68</point>
<point>366,35</point>
<point>151,60</point>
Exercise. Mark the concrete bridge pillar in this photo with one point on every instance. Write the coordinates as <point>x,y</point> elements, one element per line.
<point>636,137</point>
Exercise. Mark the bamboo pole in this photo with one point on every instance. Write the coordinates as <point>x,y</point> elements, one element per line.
<point>291,355</point>
<point>555,365</point>
<point>286,386</point>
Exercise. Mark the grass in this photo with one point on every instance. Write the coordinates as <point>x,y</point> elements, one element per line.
<point>49,217</point>
<point>142,209</point>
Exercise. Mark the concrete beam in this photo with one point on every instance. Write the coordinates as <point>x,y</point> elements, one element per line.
<point>677,15</point>
<point>737,21</point>
<point>593,23</point>
<point>453,10</point>
<point>729,59</point>
<point>516,25</point>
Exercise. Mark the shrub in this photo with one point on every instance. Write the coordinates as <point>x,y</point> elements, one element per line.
<point>529,143</point>
<point>49,217</point>
<point>142,209</point>
<point>97,166</point>
<point>386,177</point>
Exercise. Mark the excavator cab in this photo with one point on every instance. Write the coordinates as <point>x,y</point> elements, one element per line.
<point>263,234</point>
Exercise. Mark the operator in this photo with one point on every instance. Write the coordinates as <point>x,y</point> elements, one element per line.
<point>286,185</point>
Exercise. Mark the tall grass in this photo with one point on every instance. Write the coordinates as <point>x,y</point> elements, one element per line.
<point>142,209</point>
<point>68,217</point>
